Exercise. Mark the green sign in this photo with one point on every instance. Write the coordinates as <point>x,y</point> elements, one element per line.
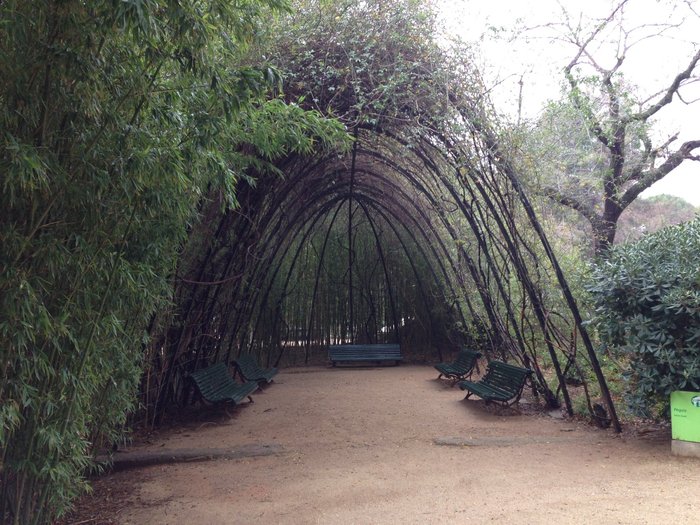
<point>685,416</point>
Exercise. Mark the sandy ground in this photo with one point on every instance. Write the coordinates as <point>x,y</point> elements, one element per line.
<point>395,445</point>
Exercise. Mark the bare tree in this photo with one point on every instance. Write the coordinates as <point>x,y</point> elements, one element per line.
<point>618,118</point>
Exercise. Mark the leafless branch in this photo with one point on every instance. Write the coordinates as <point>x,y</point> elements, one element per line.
<point>685,152</point>
<point>582,47</point>
<point>691,101</point>
<point>665,145</point>
<point>571,202</point>
<point>668,96</point>
<point>595,126</point>
<point>691,7</point>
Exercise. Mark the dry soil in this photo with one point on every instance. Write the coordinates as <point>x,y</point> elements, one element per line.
<point>395,445</point>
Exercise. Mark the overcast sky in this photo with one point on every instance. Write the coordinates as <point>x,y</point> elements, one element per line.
<point>651,64</point>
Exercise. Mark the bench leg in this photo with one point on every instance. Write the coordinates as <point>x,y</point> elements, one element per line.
<point>512,402</point>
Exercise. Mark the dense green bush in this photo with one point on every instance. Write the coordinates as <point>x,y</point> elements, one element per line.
<point>117,120</point>
<point>647,298</point>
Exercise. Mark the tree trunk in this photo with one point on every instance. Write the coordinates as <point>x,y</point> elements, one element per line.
<point>605,229</point>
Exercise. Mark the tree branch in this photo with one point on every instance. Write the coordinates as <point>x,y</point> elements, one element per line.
<point>668,95</point>
<point>593,124</point>
<point>582,47</point>
<point>571,202</point>
<point>685,152</point>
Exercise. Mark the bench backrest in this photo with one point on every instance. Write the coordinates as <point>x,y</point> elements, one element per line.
<point>212,379</point>
<point>466,358</point>
<point>390,351</point>
<point>505,377</point>
<point>248,365</point>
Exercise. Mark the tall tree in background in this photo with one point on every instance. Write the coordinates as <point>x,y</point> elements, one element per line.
<point>614,156</point>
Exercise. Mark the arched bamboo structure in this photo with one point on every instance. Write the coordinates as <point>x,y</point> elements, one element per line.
<point>421,232</point>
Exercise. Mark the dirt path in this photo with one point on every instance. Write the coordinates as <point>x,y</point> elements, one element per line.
<point>394,445</point>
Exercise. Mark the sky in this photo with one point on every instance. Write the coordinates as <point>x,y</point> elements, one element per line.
<point>650,64</point>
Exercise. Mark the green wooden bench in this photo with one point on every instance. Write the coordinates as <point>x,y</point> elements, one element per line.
<point>460,368</point>
<point>377,353</point>
<point>216,385</point>
<point>502,383</point>
<point>247,367</point>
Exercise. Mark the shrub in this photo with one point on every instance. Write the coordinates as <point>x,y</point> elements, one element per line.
<point>647,311</point>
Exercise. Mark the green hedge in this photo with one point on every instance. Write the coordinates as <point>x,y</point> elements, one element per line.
<point>647,299</point>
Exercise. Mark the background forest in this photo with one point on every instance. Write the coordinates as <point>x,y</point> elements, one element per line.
<point>186,181</point>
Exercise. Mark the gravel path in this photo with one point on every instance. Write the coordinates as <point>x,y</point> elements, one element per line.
<point>395,445</point>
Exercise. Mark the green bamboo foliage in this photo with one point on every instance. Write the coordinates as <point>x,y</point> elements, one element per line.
<point>118,119</point>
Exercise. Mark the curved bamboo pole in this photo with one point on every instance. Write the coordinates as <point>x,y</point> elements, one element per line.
<point>318,275</point>
<point>384,167</point>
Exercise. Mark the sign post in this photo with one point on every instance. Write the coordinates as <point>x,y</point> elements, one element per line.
<point>685,423</point>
